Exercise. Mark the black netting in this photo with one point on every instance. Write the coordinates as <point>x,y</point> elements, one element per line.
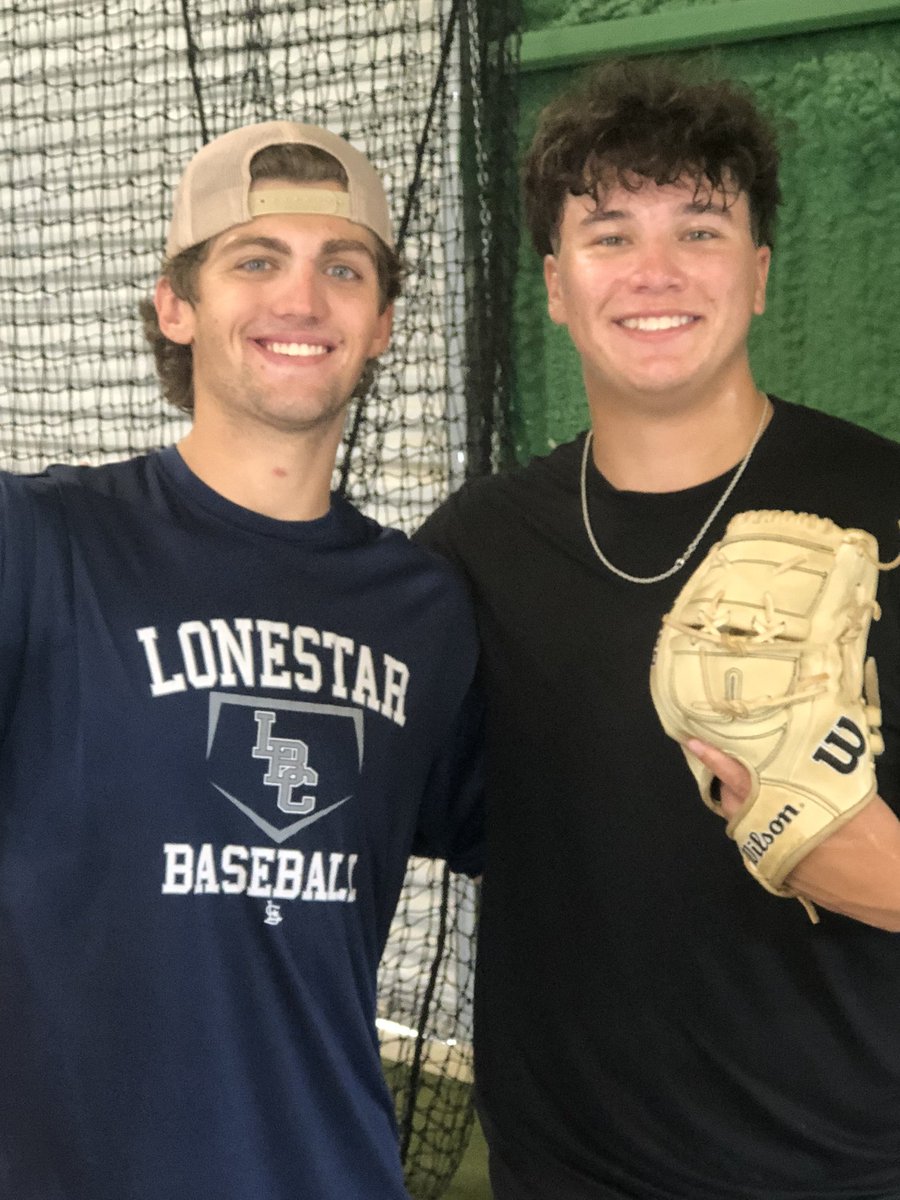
<point>103,104</point>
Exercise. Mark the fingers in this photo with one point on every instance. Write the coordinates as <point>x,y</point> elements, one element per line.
<point>734,778</point>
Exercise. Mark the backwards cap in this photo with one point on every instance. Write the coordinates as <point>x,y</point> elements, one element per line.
<point>214,192</point>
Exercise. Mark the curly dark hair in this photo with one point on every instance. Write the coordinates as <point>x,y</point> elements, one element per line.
<point>300,164</point>
<point>632,120</point>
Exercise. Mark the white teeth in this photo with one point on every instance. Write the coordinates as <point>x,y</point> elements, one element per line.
<point>297,349</point>
<point>653,324</point>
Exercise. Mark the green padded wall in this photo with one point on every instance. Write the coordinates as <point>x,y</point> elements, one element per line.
<point>830,337</point>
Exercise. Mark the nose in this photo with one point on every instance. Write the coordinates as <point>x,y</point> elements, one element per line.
<point>299,294</point>
<point>656,266</point>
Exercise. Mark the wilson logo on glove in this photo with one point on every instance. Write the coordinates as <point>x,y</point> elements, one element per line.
<point>759,842</point>
<point>853,753</point>
<point>764,648</point>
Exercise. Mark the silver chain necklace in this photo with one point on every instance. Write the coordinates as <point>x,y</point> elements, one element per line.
<point>686,554</point>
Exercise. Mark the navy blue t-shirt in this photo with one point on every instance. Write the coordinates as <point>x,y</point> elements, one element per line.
<point>221,736</point>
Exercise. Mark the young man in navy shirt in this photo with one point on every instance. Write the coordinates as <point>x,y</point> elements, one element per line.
<point>231,706</point>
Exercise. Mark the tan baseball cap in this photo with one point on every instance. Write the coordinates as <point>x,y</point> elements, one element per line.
<point>214,192</point>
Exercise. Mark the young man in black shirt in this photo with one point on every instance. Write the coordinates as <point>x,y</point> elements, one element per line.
<point>649,1021</point>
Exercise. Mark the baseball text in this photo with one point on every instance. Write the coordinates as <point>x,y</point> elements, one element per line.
<point>263,871</point>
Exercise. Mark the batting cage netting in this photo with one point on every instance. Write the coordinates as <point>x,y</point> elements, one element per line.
<point>104,102</point>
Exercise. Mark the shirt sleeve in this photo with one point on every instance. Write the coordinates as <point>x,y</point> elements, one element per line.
<point>459,772</point>
<point>437,532</point>
<point>451,815</point>
<point>17,542</point>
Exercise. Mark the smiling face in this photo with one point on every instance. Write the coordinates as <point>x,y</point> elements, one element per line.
<point>658,287</point>
<point>286,316</point>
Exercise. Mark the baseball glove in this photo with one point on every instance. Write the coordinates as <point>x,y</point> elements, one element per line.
<point>763,656</point>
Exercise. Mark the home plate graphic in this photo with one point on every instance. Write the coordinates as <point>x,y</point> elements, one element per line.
<point>283,763</point>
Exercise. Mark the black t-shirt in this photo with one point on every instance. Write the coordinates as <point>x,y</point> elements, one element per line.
<point>649,1021</point>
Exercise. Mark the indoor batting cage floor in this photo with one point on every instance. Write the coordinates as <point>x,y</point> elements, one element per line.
<point>426,1159</point>
<point>471,1180</point>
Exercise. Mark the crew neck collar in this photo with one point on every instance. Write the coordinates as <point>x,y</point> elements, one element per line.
<point>341,520</point>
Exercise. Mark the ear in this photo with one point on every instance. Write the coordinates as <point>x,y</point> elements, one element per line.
<point>763,262</point>
<point>555,303</point>
<point>175,316</point>
<point>382,336</point>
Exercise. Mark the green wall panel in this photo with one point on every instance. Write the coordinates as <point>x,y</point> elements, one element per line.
<point>830,337</point>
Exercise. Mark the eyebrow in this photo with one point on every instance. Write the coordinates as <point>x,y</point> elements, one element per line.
<point>348,246</point>
<point>718,208</point>
<point>332,246</point>
<point>690,209</point>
